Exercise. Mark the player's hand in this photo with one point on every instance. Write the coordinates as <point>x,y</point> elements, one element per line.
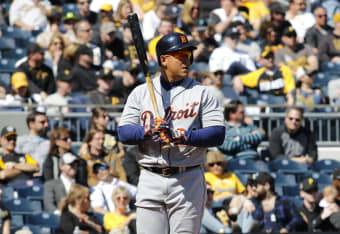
<point>178,136</point>
<point>162,136</point>
<point>155,127</point>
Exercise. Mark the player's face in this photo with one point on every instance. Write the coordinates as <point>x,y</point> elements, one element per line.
<point>293,120</point>
<point>177,65</point>
<point>217,168</point>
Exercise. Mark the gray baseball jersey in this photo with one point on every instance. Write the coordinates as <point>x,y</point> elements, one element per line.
<point>189,105</point>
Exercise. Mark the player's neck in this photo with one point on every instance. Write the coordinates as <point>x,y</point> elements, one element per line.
<point>170,78</point>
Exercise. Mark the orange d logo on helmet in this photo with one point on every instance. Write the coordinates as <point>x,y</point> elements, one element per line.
<point>183,39</point>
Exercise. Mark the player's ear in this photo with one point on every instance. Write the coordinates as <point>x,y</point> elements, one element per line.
<point>163,60</point>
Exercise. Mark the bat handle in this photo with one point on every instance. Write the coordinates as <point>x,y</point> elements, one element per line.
<point>167,146</point>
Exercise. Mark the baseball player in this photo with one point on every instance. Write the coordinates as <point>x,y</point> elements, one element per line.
<point>171,189</point>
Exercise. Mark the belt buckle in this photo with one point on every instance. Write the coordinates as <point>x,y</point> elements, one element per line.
<point>166,171</point>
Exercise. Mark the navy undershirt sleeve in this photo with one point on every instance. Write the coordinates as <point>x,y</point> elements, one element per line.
<point>131,134</point>
<point>206,137</point>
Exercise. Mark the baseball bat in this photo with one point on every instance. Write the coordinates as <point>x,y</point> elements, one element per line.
<point>138,40</point>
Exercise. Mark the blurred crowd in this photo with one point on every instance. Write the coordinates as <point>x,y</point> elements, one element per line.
<point>248,52</point>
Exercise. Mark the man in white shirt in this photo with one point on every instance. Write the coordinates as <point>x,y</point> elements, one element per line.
<point>228,58</point>
<point>101,196</point>
<point>55,190</point>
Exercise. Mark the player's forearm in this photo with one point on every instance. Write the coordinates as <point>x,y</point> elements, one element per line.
<point>206,137</point>
<point>131,134</point>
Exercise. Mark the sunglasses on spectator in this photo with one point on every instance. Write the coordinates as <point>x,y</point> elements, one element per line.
<point>181,55</point>
<point>84,2</point>
<point>210,191</point>
<point>215,163</point>
<point>65,138</point>
<point>221,73</point>
<point>86,30</point>
<point>320,16</point>
<point>122,198</point>
<point>296,119</point>
<point>11,138</point>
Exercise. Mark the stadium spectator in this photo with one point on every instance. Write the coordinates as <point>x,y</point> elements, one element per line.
<point>19,93</point>
<point>57,103</point>
<point>332,7</point>
<point>152,19</point>
<point>319,30</point>
<point>305,94</point>
<point>101,95</point>
<point>278,82</point>
<point>258,12</point>
<point>101,194</point>
<point>29,14</point>
<point>83,74</point>
<point>329,52</point>
<point>292,140</point>
<point>130,52</point>
<point>123,10</point>
<point>84,33</point>
<point>190,14</point>
<point>120,220</point>
<point>336,182</point>
<point>124,86</point>
<point>214,81</point>
<point>17,169</point>
<point>300,19</point>
<point>40,77</point>
<point>95,151</point>
<point>55,54</point>
<point>269,37</point>
<point>69,21</point>
<point>165,27</point>
<point>105,15</point>
<point>210,223</point>
<point>57,188</point>
<point>5,216</point>
<point>227,57</point>
<point>241,139</point>
<point>85,13</point>
<point>294,54</point>
<point>310,209</point>
<point>141,7</point>
<point>277,17</point>
<point>222,17</point>
<point>60,144</point>
<point>96,5</point>
<point>54,16</point>
<point>273,212</point>
<point>75,212</point>
<point>111,46</point>
<point>35,142</point>
<point>225,184</point>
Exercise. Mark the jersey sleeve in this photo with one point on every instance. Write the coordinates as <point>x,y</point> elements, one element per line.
<point>288,78</point>
<point>251,79</point>
<point>211,113</point>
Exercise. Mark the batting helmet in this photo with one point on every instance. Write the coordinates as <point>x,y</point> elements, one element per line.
<point>173,42</point>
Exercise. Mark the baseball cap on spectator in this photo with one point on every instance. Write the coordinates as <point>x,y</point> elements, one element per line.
<point>277,9</point>
<point>19,79</point>
<point>106,7</point>
<point>336,173</point>
<point>336,18</point>
<point>34,48</point>
<point>64,75</point>
<point>68,158</point>
<point>99,165</point>
<point>233,33</point>
<point>83,49</point>
<point>105,74</point>
<point>107,27</point>
<point>70,18</point>
<point>8,131</point>
<point>172,11</point>
<point>54,14</point>
<point>263,178</point>
<point>309,185</point>
<point>201,25</point>
<point>133,68</point>
<point>289,32</point>
<point>244,11</point>
<point>267,53</point>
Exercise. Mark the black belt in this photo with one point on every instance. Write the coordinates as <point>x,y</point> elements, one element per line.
<point>169,171</point>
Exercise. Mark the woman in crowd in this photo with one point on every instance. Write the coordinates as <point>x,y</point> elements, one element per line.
<point>75,213</point>
<point>120,219</point>
<point>123,10</point>
<point>94,141</point>
<point>55,52</point>
<point>225,184</point>
<point>189,15</point>
<point>60,143</point>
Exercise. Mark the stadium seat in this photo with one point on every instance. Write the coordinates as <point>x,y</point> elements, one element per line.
<point>34,229</point>
<point>325,165</point>
<point>291,191</point>
<point>262,166</point>
<point>23,206</point>
<point>44,219</point>
<point>15,32</point>
<point>287,166</point>
<point>242,177</point>
<point>7,193</point>
<point>283,179</point>
<point>35,192</point>
<point>279,190</point>
<point>321,178</point>
<point>17,221</point>
<point>23,43</point>
<point>296,200</point>
<point>242,166</point>
<point>17,53</point>
<point>7,65</point>
<point>7,43</point>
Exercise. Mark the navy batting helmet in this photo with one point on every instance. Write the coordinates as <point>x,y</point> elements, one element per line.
<point>173,42</point>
